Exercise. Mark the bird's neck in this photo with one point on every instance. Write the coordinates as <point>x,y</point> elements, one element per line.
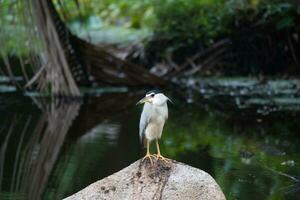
<point>160,105</point>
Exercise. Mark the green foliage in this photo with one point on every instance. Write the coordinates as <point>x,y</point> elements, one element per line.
<point>263,39</point>
<point>16,33</point>
<point>187,26</point>
<point>284,12</point>
<point>189,21</point>
<point>134,14</point>
<point>127,13</point>
<point>262,32</point>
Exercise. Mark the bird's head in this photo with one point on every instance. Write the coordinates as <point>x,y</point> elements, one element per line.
<point>154,97</point>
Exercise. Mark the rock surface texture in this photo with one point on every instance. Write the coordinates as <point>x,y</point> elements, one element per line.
<point>143,181</point>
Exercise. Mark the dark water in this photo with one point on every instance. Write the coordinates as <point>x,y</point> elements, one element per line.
<point>50,150</point>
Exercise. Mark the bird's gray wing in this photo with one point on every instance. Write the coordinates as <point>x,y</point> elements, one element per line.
<point>144,120</point>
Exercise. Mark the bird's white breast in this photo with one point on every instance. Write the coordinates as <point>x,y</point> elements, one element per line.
<point>158,116</point>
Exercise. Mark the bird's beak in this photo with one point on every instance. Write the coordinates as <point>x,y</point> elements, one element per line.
<point>143,100</point>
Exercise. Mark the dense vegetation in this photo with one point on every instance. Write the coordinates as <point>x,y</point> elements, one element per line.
<point>263,35</point>
<point>256,36</point>
<point>260,36</point>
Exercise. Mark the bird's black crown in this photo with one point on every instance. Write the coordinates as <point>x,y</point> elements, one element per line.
<point>156,91</point>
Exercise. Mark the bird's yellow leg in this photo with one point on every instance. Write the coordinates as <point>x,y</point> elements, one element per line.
<point>148,155</point>
<point>158,155</point>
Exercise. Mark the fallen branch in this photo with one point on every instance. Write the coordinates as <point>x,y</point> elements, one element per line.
<point>36,76</point>
<point>199,55</point>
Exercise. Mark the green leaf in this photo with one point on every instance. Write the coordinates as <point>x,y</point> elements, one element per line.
<point>285,22</point>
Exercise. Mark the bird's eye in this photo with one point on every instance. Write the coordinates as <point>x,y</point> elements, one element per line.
<point>152,95</point>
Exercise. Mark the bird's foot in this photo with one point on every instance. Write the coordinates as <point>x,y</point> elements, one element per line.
<point>159,156</point>
<point>149,156</point>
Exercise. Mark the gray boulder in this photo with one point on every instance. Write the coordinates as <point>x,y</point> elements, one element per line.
<point>143,181</point>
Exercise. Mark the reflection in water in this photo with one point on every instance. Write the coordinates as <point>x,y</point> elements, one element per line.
<point>110,131</point>
<point>32,142</point>
<point>49,136</point>
<point>103,141</point>
<point>243,155</point>
<point>50,150</point>
<point>36,156</point>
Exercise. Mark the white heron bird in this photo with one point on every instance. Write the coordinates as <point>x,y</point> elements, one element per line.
<point>153,118</point>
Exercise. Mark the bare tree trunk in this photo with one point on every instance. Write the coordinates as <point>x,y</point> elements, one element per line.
<point>71,61</point>
<point>57,72</point>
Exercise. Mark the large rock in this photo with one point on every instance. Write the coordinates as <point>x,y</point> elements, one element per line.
<point>141,180</point>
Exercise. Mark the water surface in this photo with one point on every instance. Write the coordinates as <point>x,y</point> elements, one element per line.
<point>52,149</point>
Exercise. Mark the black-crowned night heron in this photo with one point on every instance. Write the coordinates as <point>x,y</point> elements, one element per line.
<point>153,118</point>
